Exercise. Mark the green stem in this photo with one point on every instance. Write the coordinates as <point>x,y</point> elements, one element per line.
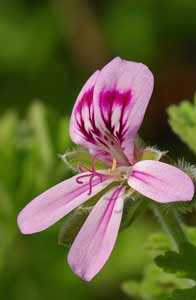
<point>172,225</point>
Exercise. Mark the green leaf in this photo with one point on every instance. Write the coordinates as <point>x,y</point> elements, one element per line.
<point>154,285</point>
<point>157,244</point>
<point>182,119</point>
<point>183,264</point>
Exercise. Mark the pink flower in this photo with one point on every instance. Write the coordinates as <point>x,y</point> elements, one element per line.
<point>105,120</point>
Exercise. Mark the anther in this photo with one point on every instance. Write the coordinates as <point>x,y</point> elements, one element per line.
<point>113,168</point>
<point>114,164</point>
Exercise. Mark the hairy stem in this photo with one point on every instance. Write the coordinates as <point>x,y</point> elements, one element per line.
<point>172,225</point>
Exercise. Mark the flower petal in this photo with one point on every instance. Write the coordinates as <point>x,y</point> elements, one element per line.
<point>83,130</point>
<point>55,203</point>
<point>95,241</point>
<point>121,95</point>
<point>161,182</point>
<point>110,108</point>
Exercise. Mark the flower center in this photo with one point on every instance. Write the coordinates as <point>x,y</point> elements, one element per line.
<point>117,173</point>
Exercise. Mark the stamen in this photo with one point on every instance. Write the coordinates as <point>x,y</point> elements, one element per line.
<point>92,175</point>
<point>83,168</point>
<point>82,176</point>
<point>113,168</point>
<point>114,164</point>
<point>94,161</point>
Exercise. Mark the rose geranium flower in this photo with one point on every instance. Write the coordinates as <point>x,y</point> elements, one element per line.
<point>105,121</point>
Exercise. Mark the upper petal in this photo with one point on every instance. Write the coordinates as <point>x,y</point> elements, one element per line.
<point>81,123</point>
<point>83,128</point>
<point>110,108</point>
<point>96,239</point>
<point>161,182</point>
<point>55,203</point>
<point>121,95</point>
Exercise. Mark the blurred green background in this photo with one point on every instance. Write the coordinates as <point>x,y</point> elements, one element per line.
<point>47,51</point>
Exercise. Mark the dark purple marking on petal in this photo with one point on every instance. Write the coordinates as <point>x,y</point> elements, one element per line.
<point>143,176</point>
<point>109,101</point>
<point>93,131</point>
<point>115,107</point>
<point>109,209</point>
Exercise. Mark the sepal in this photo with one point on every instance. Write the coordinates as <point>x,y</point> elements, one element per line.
<point>78,158</point>
<point>152,153</point>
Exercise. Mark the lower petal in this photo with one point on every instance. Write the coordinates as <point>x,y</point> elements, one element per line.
<point>55,203</point>
<point>95,241</point>
<point>161,182</point>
